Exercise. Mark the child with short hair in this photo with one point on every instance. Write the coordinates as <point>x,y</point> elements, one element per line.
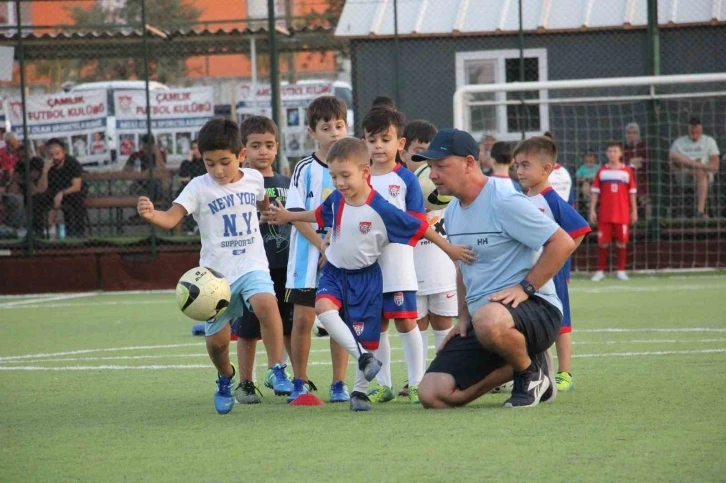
<point>309,187</point>
<point>362,223</point>
<point>418,135</point>
<point>502,162</point>
<point>259,137</point>
<point>535,158</point>
<point>614,186</point>
<point>224,203</point>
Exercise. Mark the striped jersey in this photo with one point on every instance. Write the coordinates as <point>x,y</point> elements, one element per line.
<point>400,188</point>
<point>310,185</point>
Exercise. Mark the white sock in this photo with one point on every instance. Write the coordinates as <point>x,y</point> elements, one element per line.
<point>254,370</point>
<point>413,355</point>
<point>383,354</point>
<point>425,345</point>
<point>360,385</point>
<point>439,336</point>
<point>340,332</point>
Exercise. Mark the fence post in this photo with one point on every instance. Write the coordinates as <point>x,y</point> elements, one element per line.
<point>149,152</point>
<point>521,70</point>
<point>274,62</point>
<point>396,57</point>
<point>25,154</point>
<point>660,175</point>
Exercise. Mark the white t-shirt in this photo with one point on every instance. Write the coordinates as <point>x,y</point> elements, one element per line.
<point>310,185</point>
<point>400,188</point>
<point>228,223</point>
<point>702,149</point>
<point>435,271</point>
<point>561,182</point>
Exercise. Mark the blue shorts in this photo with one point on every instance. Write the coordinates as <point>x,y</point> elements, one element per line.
<point>563,293</point>
<point>358,296</point>
<point>249,284</point>
<point>400,305</point>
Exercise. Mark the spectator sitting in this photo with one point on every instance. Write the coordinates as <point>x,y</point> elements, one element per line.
<point>60,188</point>
<point>485,153</point>
<point>15,196</point>
<point>584,176</point>
<point>190,169</point>
<point>138,162</point>
<point>8,157</point>
<point>694,159</point>
<point>635,155</point>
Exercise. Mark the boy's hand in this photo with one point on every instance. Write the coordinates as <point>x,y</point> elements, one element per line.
<point>145,208</point>
<point>593,218</point>
<point>461,253</point>
<point>276,215</point>
<point>634,216</point>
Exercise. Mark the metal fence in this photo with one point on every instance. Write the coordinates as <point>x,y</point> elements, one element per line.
<point>169,65</point>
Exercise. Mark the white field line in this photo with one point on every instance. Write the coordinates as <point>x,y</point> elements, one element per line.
<point>319,351</point>
<point>654,329</point>
<point>320,363</point>
<point>90,351</point>
<point>169,302</point>
<point>630,288</point>
<point>42,301</point>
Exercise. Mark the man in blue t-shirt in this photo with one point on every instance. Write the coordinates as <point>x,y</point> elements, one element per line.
<point>509,313</point>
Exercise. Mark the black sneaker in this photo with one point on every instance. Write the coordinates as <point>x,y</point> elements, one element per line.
<point>360,402</point>
<point>247,393</point>
<point>404,391</point>
<point>369,365</point>
<point>529,386</point>
<point>544,360</point>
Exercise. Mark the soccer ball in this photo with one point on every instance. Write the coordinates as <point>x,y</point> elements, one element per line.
<point>202,293</point>
<point>432,199</point>
<point>504,388</point>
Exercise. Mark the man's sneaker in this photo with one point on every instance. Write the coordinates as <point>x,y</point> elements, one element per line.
<point>278,380</point>
<point>621,275</point>
<point>413,395</point>
<point>360,402</point>
<point>247,393</point>
<point>223,398</point>
<point>404,391</point>
<point>544,360</point>
<point>529,386</point>
<point>339,392</point>
<point>300,386</point>
<point>381,394</point>
<point>599,276</point>
<point>369,365</point>
<point>564,382</point>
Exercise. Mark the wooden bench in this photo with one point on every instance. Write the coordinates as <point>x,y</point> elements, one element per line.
<point>117,203</point>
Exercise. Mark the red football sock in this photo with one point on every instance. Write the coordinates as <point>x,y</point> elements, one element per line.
<point>602,258</point>
<point>622,257</point>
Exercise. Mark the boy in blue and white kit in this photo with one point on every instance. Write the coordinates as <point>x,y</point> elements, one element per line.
<point>224,203</point>
<point>362,223</point>
<point>535,159</point>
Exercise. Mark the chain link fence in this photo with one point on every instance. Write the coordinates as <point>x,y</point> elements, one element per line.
<point>212,58</point>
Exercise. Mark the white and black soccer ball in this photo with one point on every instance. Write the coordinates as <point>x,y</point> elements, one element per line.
<point>504,388</point>
<point>432,199</point>
<point>202,293</point>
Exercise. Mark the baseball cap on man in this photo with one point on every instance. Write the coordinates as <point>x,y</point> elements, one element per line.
<point>449,142</point>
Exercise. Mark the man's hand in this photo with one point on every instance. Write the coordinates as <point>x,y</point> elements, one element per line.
<point>276,215</point>
<point>47,165</point>
<point>593,218</point>
<point>145,208</point>
<point>460,328</point>
<point>57,200</point>
<point>461,253</point>
<point>513,295</point>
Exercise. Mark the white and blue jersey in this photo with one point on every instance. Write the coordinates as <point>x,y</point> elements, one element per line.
<point>506,231</point>
<point>352,278</point>
<point>555,208</point>
<point>310,185</point>
<point>400,188</point>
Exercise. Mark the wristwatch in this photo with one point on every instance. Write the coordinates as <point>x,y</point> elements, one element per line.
<point>528,288</point>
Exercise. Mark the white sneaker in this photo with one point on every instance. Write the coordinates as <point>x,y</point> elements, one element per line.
<point>599,276</point>
<point>621,275</point>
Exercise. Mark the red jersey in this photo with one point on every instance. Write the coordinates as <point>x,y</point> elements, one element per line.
<point>614,185</point>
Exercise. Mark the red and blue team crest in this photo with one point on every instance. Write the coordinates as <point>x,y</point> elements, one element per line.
<point>394,189</point>
<point>364,226</point>
<point>398,298</point>
<point>358,328</point>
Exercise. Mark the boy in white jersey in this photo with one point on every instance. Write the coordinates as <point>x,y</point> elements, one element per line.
<point>224,203</point>
<point>362,223</point>
<point>436,301</point>
<point>309,187</point>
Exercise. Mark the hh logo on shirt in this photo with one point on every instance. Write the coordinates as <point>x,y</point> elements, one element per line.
<point>364,226</point>
<point>358,328</point>
<point>394,189</point>
<point>398,298</point>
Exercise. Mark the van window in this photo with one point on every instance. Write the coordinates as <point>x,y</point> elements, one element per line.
<point>345,95</point>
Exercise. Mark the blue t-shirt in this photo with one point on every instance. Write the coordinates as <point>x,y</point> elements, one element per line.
<point>506,230</point>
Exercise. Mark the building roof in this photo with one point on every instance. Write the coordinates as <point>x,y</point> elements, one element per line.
<point>366,18</point>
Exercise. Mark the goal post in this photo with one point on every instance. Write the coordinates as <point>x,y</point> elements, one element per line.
<point>585,114</point>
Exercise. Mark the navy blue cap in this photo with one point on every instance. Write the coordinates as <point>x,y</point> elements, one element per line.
<point>449,142</point>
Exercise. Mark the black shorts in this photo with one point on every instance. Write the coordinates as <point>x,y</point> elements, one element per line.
<point>248,326</point>
<point>469,362</point>
<point>301,296</point>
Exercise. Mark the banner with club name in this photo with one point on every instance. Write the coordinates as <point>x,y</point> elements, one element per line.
<point>176,117</point>
<point>295,98</point>
<point>78,119</point>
